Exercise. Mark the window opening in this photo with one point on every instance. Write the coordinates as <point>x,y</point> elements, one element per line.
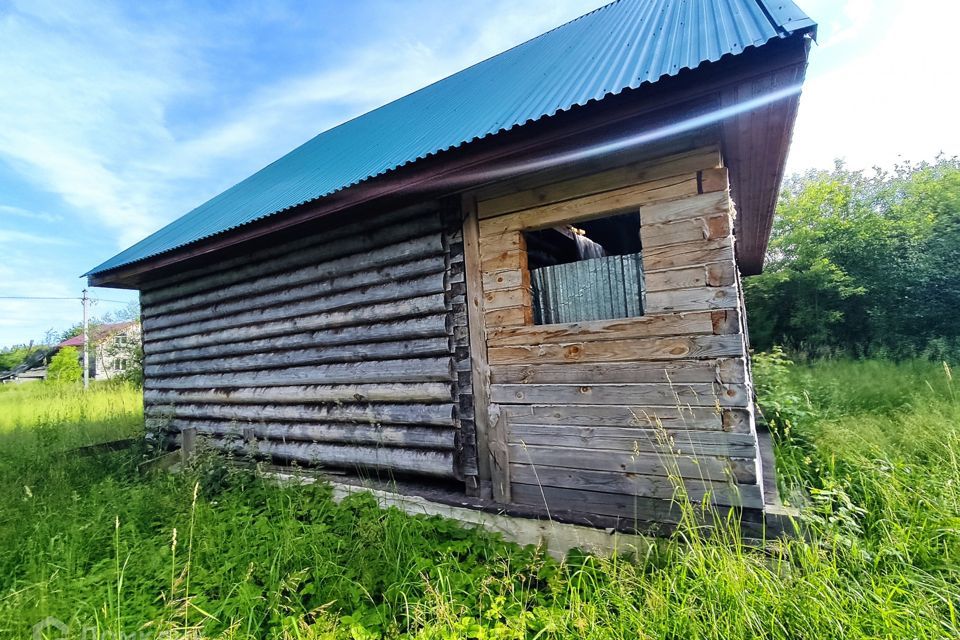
<point>590,270</point>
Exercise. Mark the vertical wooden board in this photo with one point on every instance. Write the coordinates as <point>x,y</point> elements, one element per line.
<point>480,374</point>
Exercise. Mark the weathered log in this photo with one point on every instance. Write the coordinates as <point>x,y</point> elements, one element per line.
<point>592,206</point>
<point>389,392</point>
<point>422,327</point>
<point>410,370</point>
<point>687,231</point>
<point>684,255</point>
<point>289,255</point>
<point>388,292</point>
<point>343,273</point>
<point>439,464</point>
<point>626,508</point>
<point>698,206</point>
<point>418,318</point>
<point>292,292</point>
<point>410,436</point>
<point>372,314</point>
<point>423,414</point>
<point>300,357</point>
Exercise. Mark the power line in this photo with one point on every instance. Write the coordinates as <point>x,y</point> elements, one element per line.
<point>46,298</point>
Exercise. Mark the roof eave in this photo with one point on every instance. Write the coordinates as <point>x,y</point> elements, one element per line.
<point>421,179</point>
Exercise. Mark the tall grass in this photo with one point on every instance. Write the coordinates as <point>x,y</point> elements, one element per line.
<point>63,415</point>
<point>869,454</point>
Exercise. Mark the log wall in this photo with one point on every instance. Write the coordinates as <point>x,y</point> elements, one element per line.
<point>609,417</point>
<point>343,348</point>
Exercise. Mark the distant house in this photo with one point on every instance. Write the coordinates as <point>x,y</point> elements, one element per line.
<point>520,285</point>
<point>110,348</point>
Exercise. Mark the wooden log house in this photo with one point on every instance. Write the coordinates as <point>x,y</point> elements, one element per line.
<point>520,286</point>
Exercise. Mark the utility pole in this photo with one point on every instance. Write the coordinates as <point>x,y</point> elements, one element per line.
<point>86,341</point>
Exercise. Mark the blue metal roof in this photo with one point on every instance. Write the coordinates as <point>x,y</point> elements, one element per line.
<point>619,46</point>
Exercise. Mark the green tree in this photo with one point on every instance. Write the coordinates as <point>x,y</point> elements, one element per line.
<point>863,262</point>
<point>65,366</point>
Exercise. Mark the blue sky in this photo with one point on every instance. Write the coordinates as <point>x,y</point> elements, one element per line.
<point>116,118</point>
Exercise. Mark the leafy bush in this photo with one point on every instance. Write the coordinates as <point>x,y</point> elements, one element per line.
<point>862,264</point>
<point>65,366</point>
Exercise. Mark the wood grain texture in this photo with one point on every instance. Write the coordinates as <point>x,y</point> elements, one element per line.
<point>707,468</point>
<point>722,370</point>
<point>674,324</point>
<point>311,394</point>
<point>669,416</point>
<point>375,351</point>
<point>698,206</point>
<point>431,305</point>
<point>639,349</point>
<point>342,273</point>
<point>438,438</point>
<point>687,231</point>
<point>634,173</point>
<point>438,464</point>
<point>693,299</point>
<point>422,414</point>
<point>695,394</point>
<point>338,349</point>
<point>330,288</point>
<point>687,254</point>
<point>592,206</point>
<point>275,309</point>
<point>435,369</point>
<point>428,326</point>
<point>588,401</point>
<point>488,447</point>
<point>346,241</point>
<point>635,485</point>
<point>638,439</point>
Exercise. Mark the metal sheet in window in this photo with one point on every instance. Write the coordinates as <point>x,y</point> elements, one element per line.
<point>597,289</point>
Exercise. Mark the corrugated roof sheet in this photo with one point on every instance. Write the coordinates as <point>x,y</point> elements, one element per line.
<point>619,46</point>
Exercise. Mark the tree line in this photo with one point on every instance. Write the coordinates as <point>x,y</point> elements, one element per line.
<point>863,263</point>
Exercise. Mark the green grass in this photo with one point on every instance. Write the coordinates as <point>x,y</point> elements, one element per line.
<point>37,414</point>
<point>868,450</point>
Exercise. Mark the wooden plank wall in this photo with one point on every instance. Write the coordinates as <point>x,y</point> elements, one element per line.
<point>606,417</point>
<point>339,348</point>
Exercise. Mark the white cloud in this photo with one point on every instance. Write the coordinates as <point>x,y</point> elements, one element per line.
<point>13,237</point>
<point>10,211</point>
<point>84,98</point>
